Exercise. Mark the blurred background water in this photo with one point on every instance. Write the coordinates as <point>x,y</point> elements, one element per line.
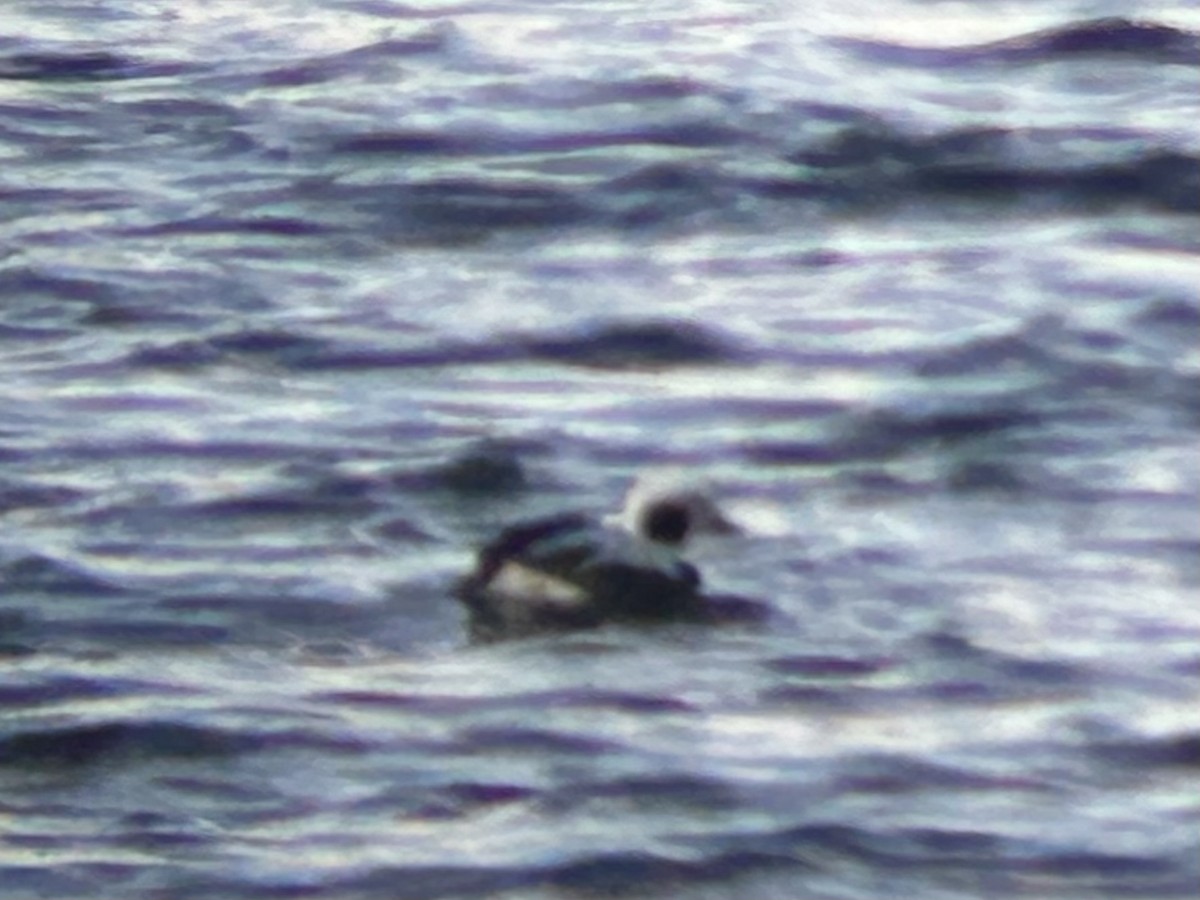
<point>300,300</point>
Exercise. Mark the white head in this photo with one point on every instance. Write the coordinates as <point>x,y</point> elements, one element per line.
<point>668,511</point>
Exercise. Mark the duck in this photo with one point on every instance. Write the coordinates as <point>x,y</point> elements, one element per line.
<point>571,571</point>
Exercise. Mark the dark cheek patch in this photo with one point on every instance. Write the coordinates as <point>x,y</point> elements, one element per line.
<point>666,523</point>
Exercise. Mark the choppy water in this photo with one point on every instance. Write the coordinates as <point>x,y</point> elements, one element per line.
<point>300,301</point>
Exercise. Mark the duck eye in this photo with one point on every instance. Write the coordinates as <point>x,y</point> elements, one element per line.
<point>666,523</point>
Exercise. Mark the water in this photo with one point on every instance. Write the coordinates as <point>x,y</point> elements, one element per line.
<point>302,300</point>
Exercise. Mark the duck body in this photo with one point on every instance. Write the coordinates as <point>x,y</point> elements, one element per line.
<point>569,572</point>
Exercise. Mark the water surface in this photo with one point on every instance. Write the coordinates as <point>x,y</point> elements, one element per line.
<point>302,301</point>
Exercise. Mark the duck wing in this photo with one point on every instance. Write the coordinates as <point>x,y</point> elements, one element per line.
<point>557,546</point>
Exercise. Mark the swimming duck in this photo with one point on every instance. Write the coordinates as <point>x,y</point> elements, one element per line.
<point>572,572</point>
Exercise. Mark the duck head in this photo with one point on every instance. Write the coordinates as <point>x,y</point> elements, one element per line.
<point>670,512</point>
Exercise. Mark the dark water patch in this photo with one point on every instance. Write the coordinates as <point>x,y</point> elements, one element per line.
<point>823,845</point>
<point>20,202</point>
<point>465,205</point>
<point>137,306</point>
<point>264,224</point>
<point>35,881</point>
<point>453,210</point>
<point>1117,874</point>
<point>1001,353</point>
<point>471,794</point>
<point>651,88</point>
<point>651,344</point>
<point>1188,667</point>
<point>290,502</point>
<point>82,745</point>
<point>696,133</point>
<point>828,667</point>
<point>922,846</point>
<point>66,688</point>
<point>220,791</point>
<point>893,775</point>
<point>157,834</point>
<point>684,134</point>
<point>666,192</point>
<point>1164,179</point>
<point>814,697</point>
<point>401,882</point>
<point>869,161</point>
<point>37,573</point>
<point>684,792</point>
<point>1180,751</point>
<point>179,355</point>
<point>524,741</point>
<point>871,484</point>
<point>148,831</point>
<point>781,452</point>
<point>186,113</point>
<point>213,449</point>
<point>282,347</point>
<point>348,357</point>
<point>990,476</point>
<point>130,633</point>
<point>24,335</point>
<point>1176,315</point>
<point>442,704</point>
<point>27,495</point>
<point>1110,37</point>
<point>27,284</point>
<point>404,143</point>
<point>887,433</point>
<point>600,699</point>
<point>1114,35</point>
<point>639,873</point>
<point>95,65</point>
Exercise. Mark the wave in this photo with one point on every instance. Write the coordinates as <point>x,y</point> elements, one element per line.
<point>679,151</point>
<point>1113,36</point>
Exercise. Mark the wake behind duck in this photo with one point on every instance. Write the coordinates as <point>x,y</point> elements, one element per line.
<point>571,572</point>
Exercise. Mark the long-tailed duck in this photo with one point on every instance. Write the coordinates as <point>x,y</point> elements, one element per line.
<point>572,572</point>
